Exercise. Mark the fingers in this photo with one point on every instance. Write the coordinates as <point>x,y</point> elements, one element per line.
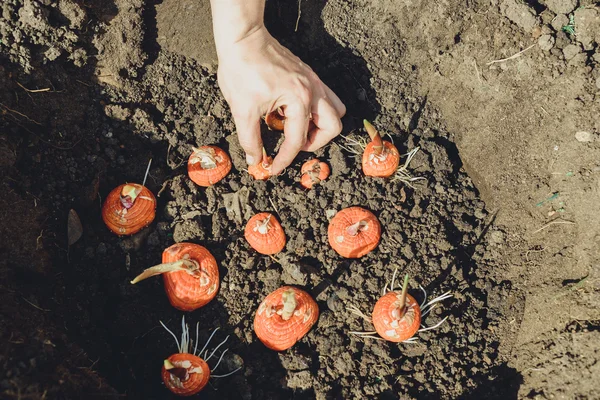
<point>327,125</point>
<point>296,125</point>
<point>335,101</point>
<point>248,130</point>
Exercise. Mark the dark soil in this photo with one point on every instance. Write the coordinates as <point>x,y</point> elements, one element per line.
<point>89,97</point>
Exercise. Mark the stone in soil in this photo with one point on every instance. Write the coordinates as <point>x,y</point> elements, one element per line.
<point>583,136</point>
<point>587,27</point>
<point>561,6</point>
<point>546,42</point>
<point>571,51</point>
<point>559,21</point>
<point>520,14</point>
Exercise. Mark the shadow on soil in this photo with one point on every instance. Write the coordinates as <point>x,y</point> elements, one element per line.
<point>338,67</point>
<point>66,318</point>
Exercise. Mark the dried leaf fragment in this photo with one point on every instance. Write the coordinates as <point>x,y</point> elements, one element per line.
<point>237,205</point>
<point>74,228</point>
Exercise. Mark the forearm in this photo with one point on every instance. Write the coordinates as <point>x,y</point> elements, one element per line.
<point>234,20</point>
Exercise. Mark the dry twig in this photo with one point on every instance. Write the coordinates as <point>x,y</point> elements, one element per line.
<point>36,306</point>
<point>511,57</point>
<point>273,204</point>
<point>477,72</point>
<point>164,187</point>
<point>32,90</point>
<point>18,113</point>
<point>552,223</point>
<point>299,13</point>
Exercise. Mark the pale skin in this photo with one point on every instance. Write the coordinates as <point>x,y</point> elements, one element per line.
<point>258,75</point>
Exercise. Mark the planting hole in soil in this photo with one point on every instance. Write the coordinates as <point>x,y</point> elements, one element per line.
<point>474,176</point>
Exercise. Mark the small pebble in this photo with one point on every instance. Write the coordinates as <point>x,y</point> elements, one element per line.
<point>546,42</point>
<point>583,136</point>
<point>111,153</point>
<point>561,6</point>
<point>334,303</point>
<point>497,238</point>
<point>101,249</point>
<point>361,94</point>
<point>559,21</point>
<point>547,17</point>
<point>571,51</point>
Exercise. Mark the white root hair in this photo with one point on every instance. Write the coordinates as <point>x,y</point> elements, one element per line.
<point>172,334</point>
<point>356,147</point>
<point>209,339</point>
<point>402,174</point>
<point>356,311</point>
<point>215,350</point>
<point>434,326</point>
<point>426,308</point>
<point>185,345</point>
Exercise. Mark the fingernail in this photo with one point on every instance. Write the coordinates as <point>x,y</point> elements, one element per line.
<point>250,160</point>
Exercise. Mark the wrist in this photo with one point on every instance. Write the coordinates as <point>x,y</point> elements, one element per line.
<point>245,46</point>
<point>235,21</point>
<point>229,41</point>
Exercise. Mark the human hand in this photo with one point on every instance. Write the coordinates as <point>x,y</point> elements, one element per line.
<point>258,75</point>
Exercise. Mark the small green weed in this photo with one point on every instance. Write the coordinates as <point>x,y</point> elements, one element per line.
<point>570,27</point>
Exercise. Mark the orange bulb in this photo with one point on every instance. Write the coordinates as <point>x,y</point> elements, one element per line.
<point>190,274</point>
<point>208,165</point>
<point>265,234</point>
<point>394,324</point>
<point>185,374</point>
<point>275,120</point>
<point>354,232</point>
<point>382,165</point>
<point>380,158</point>
<point>313,172</point>
<point>128,209</point>
<point>284,317</point>
<point>262,170</point>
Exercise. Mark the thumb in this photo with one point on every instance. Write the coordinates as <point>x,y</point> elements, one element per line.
<point>248,130</point>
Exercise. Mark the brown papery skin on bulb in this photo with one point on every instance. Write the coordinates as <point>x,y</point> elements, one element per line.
<point>408,323</point>
<point>279,334</point>
<point>196,381</point>
<point>383,165</point>
<point>208,177</point>
<point>269,243</point>
<point>184,290</point>
<point>360,244</point>
<point>140,215</point>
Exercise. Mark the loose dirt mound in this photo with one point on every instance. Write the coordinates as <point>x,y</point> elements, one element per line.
<point>93,91</point>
